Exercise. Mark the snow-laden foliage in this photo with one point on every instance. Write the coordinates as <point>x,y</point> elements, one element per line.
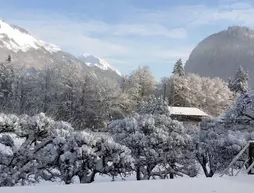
<point>243,110</point>
<point>84,155</point>
<point>240,82</point>
<point>211,95</point>
<point>22,139</point>
<point>39,148</point>
<point>159,145</point>
<point>222,138</point>
<point>141,84</point>
<point>217,146</point>
<point>154,106</point>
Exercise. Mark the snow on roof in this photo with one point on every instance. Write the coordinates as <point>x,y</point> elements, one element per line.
<point>188,111</point>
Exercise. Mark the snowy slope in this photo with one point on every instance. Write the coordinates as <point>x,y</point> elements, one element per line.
<point>17,39</point>
<point>93,61</point>
<point>197,185</point>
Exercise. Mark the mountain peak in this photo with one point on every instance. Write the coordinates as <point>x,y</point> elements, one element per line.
<point>238,28</point>
<point>240,32</point>
<point>221,54</point>
<point>86,54</point>
<point>17,39</point>
<point>93,61</point>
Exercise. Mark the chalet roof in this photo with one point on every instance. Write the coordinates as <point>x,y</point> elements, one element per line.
<point>187,111</point>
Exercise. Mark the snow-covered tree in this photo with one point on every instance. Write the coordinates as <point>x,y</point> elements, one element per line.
<point>124,84</point>
<point>142,84</point>
<point>38,148</point>
<point>241,115</point>
<point>240,82</point>
<point>7,79</point>
<point>113,103</point>
<point>178,68</point>
<point>154,106</point>
<point>222,138</point>
<point>163,88</point>
<point>22,139</point>
<point>211,95</point>
<point>217,146</point>
<point>159,145</point>
<point>84,155</point>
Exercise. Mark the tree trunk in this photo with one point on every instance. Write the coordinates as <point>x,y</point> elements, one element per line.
<point>211,173</point>
<point>88,179</point>
<point>138,173</point>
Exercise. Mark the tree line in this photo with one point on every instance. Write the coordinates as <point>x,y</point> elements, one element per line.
<point>70,94</point>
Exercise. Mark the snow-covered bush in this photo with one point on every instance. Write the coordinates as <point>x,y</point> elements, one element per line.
<point>84,155</point>
<point>38,148</point>
<point>159,145</point>
<point>21,141</point>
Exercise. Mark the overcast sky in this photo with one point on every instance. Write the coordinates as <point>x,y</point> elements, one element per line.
<point>128,33</point>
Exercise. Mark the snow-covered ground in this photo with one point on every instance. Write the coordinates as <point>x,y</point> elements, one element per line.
<point>241,184</point>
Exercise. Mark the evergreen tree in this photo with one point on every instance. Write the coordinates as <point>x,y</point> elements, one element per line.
<point>178,68</point>
<point>9,58</point>
<point>240,82</point>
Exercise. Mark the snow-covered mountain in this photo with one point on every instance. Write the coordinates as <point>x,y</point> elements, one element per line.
<point>221,54</point>
<point>30,52</point>
<point>93,61</point>
<point>17,39</point>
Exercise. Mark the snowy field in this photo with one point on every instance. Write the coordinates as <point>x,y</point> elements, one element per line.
<point>241,184</point>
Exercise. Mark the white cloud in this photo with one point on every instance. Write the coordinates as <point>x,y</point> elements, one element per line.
<point>235,13</point>
<point>201,14</point>
<point>176,53</point>
<point>150,29</point>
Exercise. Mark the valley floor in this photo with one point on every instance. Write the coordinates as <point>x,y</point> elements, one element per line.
<point>241,184</point>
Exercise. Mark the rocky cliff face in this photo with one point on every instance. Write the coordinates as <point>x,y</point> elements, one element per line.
<point>221,54</point>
